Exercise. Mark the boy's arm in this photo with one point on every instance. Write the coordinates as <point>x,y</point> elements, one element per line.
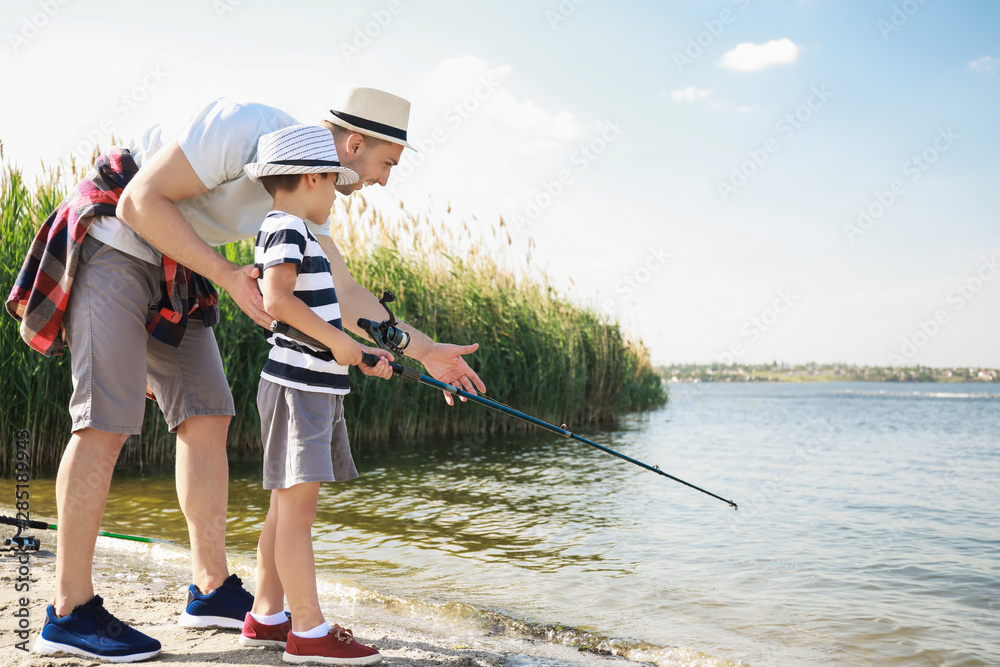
<point>444,361</point>
<point>148,205</point>
<point>281,302</point>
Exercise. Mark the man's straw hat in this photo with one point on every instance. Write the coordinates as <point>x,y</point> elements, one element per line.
<point>375,113</point>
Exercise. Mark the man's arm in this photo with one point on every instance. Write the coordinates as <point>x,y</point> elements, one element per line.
<point>443,361</point>
<point>149,206</point>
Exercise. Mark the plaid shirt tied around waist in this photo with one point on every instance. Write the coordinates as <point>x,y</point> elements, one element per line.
<point>40,293</point>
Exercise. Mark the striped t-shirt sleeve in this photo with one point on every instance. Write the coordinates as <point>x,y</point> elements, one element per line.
<point>284,245</point>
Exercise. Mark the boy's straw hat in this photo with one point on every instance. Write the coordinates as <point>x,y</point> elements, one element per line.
<point>299,149</point>
<point>375,113</point>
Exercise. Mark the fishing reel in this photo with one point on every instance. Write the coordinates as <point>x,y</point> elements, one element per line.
<point>386,335</point>
<point>22,543</point>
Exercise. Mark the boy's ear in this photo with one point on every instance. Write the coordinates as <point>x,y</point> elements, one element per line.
<point>312,180</point>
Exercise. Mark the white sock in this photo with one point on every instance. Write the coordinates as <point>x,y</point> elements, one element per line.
<point>270,619</point>
<point>319,631</point>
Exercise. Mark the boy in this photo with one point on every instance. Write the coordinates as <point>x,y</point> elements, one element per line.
<point>300,396</point>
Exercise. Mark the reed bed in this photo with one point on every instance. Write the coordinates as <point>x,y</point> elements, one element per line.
<point>538,352</point>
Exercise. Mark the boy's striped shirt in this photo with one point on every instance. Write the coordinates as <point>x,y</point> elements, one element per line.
<point>285,239</point>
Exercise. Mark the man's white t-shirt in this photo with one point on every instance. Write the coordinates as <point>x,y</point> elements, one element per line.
<point>217,142</point>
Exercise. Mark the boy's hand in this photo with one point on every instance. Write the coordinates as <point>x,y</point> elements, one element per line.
<point>382,369</point>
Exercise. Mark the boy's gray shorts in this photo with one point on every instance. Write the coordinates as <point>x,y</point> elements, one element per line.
<point>304,435</point>
<point>112,355</point>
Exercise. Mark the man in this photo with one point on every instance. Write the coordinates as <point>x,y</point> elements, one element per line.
<point>189,194</point>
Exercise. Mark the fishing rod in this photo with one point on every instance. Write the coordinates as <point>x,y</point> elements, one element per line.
<point>32,543</point>
<point>389,337</point>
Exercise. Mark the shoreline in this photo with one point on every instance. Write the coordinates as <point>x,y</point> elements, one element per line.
<point>146,586</point>
<point>792,379</point>
<point>694,373</point>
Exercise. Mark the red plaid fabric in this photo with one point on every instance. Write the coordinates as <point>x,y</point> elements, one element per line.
<point>40,293</point>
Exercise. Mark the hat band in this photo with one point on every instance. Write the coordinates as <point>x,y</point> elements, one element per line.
<point>305,163</point>
<point>372,125</point>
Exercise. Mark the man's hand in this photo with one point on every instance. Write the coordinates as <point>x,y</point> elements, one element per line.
<point>444,361</point>
<point>241,284</point>
<point>382,369</point>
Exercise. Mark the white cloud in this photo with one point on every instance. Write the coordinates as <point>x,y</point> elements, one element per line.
<point>987,64</point>
<point>689,94</point>
<point>750,57</point>
<point>484,147</point>
<point>467,89</point>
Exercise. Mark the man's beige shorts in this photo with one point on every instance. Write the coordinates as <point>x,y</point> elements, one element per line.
<point>112,354</point>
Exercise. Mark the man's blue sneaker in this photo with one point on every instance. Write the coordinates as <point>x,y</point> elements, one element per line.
<point>225,607</point>
<point>90,630</point>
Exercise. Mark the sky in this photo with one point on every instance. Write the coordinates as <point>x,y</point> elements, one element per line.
<point>736,181</point>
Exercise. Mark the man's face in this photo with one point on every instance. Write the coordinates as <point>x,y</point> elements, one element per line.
<point>372,161</point>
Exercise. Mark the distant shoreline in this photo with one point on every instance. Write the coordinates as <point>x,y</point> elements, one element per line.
<point>825,373</point>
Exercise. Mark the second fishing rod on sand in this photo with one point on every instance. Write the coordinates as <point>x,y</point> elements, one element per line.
<point>389,336</point>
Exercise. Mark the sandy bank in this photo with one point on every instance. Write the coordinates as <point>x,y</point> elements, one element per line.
<point>151,600</point>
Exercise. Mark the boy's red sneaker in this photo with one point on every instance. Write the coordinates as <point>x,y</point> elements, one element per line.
<point>336,648</point>
<point>258,634</point>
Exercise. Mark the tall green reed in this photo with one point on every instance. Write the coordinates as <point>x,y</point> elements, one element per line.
<point>538,351</point>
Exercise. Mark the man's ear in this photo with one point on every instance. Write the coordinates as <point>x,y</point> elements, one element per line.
<point>354,143</point>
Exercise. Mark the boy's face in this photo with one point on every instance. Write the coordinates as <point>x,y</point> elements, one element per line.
<point>323,192</point>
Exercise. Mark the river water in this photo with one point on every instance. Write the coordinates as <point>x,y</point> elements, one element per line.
<point>868,531</point>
